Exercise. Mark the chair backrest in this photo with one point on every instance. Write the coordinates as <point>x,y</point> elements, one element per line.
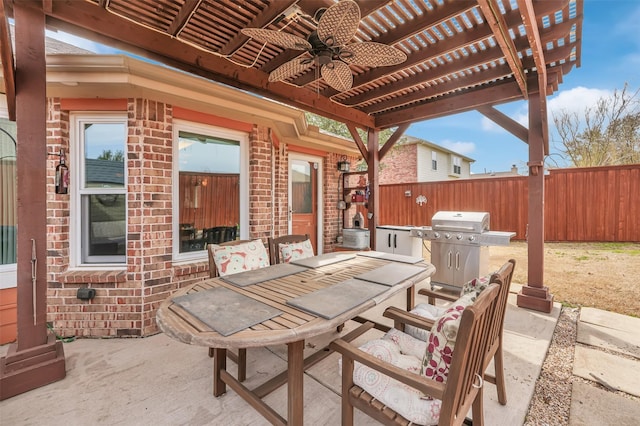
<point>213,270</point>
<point>274,249</point>
<point>467,365</point>
<point>502,277</point>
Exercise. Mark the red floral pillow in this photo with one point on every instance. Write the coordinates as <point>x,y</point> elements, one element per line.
<point>295,251</point>
<point>240,257</point>
<point>442,340</point>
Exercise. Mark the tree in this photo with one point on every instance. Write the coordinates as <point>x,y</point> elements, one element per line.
<point>110,156</point>
<point>607,134</point>
<point>340,129</point>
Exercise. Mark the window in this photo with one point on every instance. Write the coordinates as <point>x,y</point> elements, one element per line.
<point>457,168</point>
<point>434,160</point>
<point>211,191</point>
<point>100,192</point>
<point>7,194</point>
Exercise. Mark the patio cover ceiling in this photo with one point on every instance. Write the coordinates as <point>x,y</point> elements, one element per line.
<point>461,55</point>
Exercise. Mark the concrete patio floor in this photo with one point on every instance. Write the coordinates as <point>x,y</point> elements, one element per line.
<point>156,380</point>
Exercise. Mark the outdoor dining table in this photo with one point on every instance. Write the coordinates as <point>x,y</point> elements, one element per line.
<point>286,305</point>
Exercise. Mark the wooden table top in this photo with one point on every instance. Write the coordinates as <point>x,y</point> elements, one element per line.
<point>293,324</point>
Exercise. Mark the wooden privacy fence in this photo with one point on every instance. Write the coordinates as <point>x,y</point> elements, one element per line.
<point>209,199</point>
<point>581,204</point>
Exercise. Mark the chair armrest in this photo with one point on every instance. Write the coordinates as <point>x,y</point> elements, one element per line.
<point>426,386</point>
<point>401,318</point>
<point>437,295</point>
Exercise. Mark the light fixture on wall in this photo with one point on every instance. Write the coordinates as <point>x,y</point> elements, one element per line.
<point>343,165</point>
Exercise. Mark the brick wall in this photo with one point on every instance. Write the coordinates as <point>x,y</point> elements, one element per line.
<point>399,165</point>
<point>281,185</point>
<point>127,300</point>
<point>332,216</point>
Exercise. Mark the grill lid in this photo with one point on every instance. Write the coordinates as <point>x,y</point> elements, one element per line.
<point>477,222</point>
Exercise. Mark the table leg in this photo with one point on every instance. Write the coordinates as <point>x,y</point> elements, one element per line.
<point>219,364</point>
<point>411,298</point>
<point>295,361</point>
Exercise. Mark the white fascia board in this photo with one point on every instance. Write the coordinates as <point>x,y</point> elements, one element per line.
<point>170,86</point>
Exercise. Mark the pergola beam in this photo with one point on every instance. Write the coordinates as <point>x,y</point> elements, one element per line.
<point>459,102</point>
<point>506,122</point>
<point>164,48</point>
<point>500,29</point>
<point>537,49</point>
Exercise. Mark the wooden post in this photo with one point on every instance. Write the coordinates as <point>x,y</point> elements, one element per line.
<point>36,359</point>
<point>373,164</point>
<point>295,385</point>
<point>534,295</point>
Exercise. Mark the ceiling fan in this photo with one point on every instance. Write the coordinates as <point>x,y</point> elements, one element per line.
<point>328,47</point>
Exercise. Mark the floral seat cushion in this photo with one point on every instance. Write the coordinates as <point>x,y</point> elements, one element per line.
<point>431,312</point>
<point>431,358</point>
<point>403,351</point>
<point>240,257</point>
<point>295,251</point>
<point>442,340</point>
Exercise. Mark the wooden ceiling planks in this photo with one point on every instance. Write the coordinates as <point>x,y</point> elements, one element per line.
<point>453,49</point>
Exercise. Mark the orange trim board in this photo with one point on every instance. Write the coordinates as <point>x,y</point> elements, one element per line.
<point>87,104</point>
<point>202,117</point>
<point>304,150</point>
<point>8,315</point>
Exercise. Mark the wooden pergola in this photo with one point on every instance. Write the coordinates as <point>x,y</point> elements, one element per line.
<point>462,55</point>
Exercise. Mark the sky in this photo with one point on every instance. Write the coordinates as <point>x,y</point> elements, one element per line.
<point>610,58</point>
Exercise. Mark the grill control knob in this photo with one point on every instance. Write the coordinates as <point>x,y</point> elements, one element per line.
<point>472,238</point>
<point>447,236</point>
<point>436,235</point>
<point>459,236</point>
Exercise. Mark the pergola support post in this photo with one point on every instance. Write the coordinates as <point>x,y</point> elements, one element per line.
<point>36,359</point>
<point>373,165</point>
<point>534,295</point>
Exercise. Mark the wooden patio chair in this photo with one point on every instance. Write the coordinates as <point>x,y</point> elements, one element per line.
<point>241,358</point>
<point>405,321</point>
<point>401,396</point>
<point>274,248</point>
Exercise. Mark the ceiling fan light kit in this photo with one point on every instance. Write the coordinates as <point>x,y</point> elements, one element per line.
<point>328,47</point>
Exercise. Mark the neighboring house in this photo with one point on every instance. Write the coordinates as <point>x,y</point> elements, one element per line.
<point>158,159</point>
<point>417,160</point>
<point>511,173</point>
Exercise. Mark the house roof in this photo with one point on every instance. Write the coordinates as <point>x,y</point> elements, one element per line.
<point>411,140</point>
<point>461,55</point>
<point>120,76</point>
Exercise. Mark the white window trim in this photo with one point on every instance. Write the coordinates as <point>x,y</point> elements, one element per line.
<point>457,162</point>
<point>216,132</point>
<point>76,119</point>
<point>434,157</point>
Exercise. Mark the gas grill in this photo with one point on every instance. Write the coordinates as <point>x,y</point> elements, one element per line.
<point>459,246</point>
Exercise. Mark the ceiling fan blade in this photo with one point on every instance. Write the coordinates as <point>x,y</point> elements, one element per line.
<point>370,54</point>
<point>290,68</point>
<point>338,75</point>
<point>288,41</point>
<point>339,23</point>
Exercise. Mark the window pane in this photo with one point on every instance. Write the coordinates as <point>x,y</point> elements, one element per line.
<point>302,191</point>
<point>104,145</point>
<point>209,190</point>
<point>7,192</point>
<point>106,218</point>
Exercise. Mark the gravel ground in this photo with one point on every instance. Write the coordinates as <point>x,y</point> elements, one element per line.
<point>551,402</point>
